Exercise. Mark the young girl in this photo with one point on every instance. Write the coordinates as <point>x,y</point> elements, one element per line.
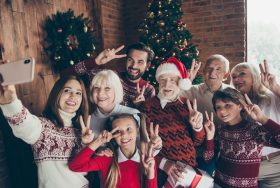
<point>123,168</point>
<point>246,129</point>
<point>55,137</point>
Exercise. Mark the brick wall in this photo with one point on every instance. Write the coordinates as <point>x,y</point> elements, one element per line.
<point>217,26</point>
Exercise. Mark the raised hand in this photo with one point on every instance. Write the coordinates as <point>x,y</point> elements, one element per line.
<point>140,94</point>
<point>7,94</point>
<point>155,138</point>
<point>253,110</point>
<point>103,138</point>
<point>148,161</point>
<point>194,69</point>
<point>268,79</point>
<point>195,117</point>
<point>209,126</point>
<point>87,134</point>
<point>107,55</point>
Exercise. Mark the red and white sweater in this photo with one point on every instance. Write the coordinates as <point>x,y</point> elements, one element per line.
<point>52,147</point>
<point>129,177</point>
<point>240,152</point>
<point>90,69</point>
<point>179,139</point>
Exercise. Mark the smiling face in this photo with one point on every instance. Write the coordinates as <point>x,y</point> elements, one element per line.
<point>136,64</point>
<point>228,112</point>
<point>168,86</point>
<point>103,96</point>
<point>214,74</point>
<point>128,133</point>
<point>242,79</point>
<point>71,96</point>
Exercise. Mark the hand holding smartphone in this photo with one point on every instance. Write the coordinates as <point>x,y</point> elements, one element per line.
<point>18,72</point>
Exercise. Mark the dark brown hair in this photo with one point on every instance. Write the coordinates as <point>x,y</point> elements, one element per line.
<point>51,110</point>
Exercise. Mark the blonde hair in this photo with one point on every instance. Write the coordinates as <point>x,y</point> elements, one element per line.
<point>110,78</point>
<point>114,171</point>
<point>258,93</point>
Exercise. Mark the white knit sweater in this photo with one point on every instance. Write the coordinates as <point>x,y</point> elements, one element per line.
<point>52,146</point>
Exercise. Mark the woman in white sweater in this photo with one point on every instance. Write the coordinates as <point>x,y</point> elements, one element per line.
<point>55,137</point>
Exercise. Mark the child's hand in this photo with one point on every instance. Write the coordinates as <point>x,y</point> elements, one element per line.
<point>104,137</point>
<point>267,79</point>
<point>148,162</point>
<point>107,55</point>
<point>209,126</point>
<point>155,138</point>
<point>140,94</point>
<point>87,134</point>
<point>195,117</point>
<point>254,110</point>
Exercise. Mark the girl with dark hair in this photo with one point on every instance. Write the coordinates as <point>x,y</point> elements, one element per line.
<point>244,131</point>
<point>55,137</point>
<point>123,169</point>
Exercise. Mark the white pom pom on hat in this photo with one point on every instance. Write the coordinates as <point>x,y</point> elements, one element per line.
<point>174,66</point>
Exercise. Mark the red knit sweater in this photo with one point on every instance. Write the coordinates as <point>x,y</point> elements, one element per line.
<point>90,69</point>
<point>129,170</point>
<point>174,129</point>
<point>240,152</point>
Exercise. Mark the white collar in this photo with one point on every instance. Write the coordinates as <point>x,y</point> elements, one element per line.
<point>102,115</point>
<point>66,118</point>
<point>122,157</point>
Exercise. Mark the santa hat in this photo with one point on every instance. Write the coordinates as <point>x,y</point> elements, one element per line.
<point>174,66</point>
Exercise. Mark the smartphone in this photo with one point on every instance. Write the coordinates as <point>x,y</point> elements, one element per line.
<point>18,72</point>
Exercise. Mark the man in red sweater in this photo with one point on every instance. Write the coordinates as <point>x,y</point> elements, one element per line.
<point>180,125</point>
<point>138,60</point>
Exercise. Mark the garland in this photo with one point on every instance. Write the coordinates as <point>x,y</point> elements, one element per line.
<point>69,39</point>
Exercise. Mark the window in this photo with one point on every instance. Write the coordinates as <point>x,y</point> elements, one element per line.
<point>263,33</point>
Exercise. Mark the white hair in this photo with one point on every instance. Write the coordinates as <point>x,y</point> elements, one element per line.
<point>110,78</point>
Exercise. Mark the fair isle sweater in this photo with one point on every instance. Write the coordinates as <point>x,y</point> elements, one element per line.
<point>52,147</point>
<point>240,152</point>
<point>130,176</point>
<point>179,140</point>
<point>90,69</point>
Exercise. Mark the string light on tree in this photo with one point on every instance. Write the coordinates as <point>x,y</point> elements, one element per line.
<point>174,38</point>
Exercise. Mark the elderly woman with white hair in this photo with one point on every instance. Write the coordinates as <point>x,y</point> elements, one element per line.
<point>264,91</point>
<point>106,93</point>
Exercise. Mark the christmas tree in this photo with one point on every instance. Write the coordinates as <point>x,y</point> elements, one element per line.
<point>167,35</point>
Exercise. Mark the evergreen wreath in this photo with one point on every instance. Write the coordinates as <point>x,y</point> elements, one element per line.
<point>69,39</point>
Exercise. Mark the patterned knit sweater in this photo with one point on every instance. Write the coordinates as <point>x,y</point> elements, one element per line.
<point>52,147</point>
<point>90,69</point>
<point>240,152</point>
<point>175,131</point>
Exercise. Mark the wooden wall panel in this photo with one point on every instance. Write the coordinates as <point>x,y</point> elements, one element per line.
<point>22,36</point>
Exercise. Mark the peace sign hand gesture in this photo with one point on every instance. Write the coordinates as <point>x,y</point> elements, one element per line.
<point>195,117</point>
<point>268,79</point>
<point>107,55</point>
<point>194,69</point>
<point>209,126</point>
<point>87,133</point>
<point>140,94</point>
<point>253,110</point>
<point>155,138</point>
<point>148,161</point>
